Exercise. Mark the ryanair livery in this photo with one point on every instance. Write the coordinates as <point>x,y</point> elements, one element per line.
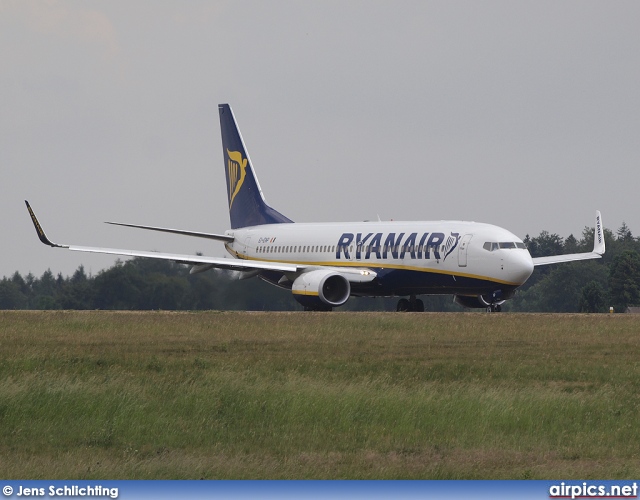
<point>323,264</point>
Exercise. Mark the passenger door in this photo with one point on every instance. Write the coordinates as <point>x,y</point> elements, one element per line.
<point>462,250</point>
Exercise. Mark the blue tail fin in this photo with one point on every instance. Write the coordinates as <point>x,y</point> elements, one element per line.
<point>247,206</point>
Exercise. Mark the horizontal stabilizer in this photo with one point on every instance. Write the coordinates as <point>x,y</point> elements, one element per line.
<point>219,237</point>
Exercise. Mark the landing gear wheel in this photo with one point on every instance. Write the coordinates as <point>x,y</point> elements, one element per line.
<point>410,305</point>
<point>403,305</point>
<point>494,308</point>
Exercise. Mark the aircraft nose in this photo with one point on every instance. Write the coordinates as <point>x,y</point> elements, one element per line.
<point>520,266</point>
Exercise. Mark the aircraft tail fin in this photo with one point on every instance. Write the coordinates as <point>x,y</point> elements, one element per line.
<point>247,206</point>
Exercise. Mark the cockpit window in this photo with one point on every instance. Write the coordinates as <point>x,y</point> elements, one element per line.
<point>492,246</point>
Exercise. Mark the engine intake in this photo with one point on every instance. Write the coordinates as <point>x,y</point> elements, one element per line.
<point>321,289</point>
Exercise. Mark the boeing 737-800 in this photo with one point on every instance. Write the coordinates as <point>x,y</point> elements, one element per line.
<point>323,264</point>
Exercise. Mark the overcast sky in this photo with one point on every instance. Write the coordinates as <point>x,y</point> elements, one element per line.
<point>521,114</point>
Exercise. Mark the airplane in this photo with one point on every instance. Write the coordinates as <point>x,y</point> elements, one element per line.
<point>323,264</point>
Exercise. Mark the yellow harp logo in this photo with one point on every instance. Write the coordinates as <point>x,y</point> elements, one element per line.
<point>236,171</point>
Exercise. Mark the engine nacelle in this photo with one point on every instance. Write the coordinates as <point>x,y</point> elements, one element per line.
<point>321,289</point>
<point>471,302</point>
<point>498,297</point>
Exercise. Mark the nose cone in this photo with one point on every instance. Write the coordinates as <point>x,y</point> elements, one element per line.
<point>520,266</point>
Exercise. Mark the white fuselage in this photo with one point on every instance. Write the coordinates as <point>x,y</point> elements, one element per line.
<point>409,257</point>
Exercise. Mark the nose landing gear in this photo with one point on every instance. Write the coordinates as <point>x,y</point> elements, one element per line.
<point>493,302</point>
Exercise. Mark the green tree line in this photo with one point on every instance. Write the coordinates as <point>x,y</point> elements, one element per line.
<point>147,284</point>
<point>586,286</point>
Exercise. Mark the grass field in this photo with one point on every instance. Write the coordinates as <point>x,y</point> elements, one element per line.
<point>304,395</point>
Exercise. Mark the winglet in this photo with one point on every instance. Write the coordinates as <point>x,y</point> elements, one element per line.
<point>40,231</point>
<point>598,236</point>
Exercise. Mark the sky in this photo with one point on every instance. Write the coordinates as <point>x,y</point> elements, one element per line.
<point>521,114</point>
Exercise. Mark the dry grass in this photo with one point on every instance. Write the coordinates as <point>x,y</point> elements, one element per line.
<point>302,395</point>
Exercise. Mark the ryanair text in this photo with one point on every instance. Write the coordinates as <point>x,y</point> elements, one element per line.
<point>382,245</point>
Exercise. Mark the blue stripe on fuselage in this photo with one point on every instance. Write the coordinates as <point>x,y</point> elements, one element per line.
<point>398,282</point>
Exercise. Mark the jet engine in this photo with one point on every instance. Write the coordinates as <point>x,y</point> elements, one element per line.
<point>471,302</point>
<point>321,290</point>
<point>491,301</point>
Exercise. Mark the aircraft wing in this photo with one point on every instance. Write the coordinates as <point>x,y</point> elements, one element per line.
<point>597,253</point>
<point>570,257</point>
<point>351,274</point>
<point>219,262</point>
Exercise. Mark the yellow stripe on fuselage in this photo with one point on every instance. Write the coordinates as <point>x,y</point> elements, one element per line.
<point>379,265</point>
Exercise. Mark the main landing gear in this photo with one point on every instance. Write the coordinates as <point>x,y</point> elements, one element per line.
<point>494,308</point>
<point>410,305</point>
